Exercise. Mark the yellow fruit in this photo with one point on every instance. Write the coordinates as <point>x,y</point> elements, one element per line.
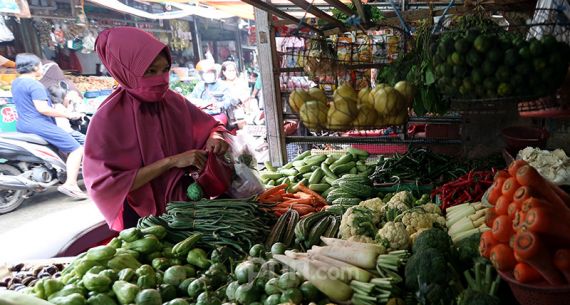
<point>378,87</point>
<point>364,97</point>
<point>318,94</point>
<point>406,90</point>
<point>389,102</point>
<point>345,91</point>
<point>314,114</point>
<point>297,98</point>
<point>366,117</point>
<point>341,113</point>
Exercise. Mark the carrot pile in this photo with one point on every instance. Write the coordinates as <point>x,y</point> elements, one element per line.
<point>530,221</point>
<point>467,188</point>
<point>304,201</point>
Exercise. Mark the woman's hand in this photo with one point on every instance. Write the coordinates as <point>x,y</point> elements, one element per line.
<point>195,158</point>
<point>217,144</point>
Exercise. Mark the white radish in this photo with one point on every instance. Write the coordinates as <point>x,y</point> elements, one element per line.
<point>347,272</point>
<point>358,257</point>
<point>353,244</point>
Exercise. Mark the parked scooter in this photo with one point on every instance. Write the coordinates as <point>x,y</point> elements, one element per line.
<point>29,165</point>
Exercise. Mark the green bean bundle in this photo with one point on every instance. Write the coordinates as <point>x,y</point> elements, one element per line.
<point>236,224</point>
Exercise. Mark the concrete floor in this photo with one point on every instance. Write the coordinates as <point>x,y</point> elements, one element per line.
<point>43,224</point>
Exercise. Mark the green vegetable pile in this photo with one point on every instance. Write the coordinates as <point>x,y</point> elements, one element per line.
<point>237,224</point>
<point>418,166</point>
<point>318,172</point>
<point>137,267</point>
<point>478,59</point>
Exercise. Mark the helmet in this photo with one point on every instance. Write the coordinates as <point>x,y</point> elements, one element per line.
<point>205,65</point>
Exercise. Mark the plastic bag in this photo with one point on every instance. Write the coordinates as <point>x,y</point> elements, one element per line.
<point>246,182</point>
<point>5,33</point>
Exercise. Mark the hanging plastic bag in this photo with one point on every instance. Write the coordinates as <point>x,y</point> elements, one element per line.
<point>5,33</point>
<point>246,182</point>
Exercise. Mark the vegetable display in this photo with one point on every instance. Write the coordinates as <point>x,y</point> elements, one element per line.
<point>234,223</point>
<point>465,220</point>
<point>303,201</point>
<point>552,165</point>
<point>529,238</point>
<point>417,165</point>
<point>467,188</point>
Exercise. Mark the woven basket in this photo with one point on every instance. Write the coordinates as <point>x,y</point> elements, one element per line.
<point>538,294</point>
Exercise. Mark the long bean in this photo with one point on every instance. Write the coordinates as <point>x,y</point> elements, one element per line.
<point>237,224</point>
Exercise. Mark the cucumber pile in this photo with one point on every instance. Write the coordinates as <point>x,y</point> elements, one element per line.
<point>318,172</point>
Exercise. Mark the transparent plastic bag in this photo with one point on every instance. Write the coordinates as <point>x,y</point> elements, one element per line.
<point>246,182</point>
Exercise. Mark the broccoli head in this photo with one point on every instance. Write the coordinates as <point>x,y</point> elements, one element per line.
<point>428,266</point>
<point>433,238</point>
<point>473,297</point>
<point>468,249</point>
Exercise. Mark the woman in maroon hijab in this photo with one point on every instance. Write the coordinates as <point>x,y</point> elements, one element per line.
<point>144,136</point>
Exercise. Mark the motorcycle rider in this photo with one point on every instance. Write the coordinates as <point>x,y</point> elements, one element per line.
<point>212,95</point>
<point>36,115</point>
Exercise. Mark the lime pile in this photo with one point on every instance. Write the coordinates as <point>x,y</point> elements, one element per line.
<point>497,64</point>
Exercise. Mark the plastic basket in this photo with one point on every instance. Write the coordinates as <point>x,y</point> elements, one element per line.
<point>519,137</point>
<point>546,107</point>
<point>537,294</point>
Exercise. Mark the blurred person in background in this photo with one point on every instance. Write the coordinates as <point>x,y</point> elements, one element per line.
<point>36,115</point>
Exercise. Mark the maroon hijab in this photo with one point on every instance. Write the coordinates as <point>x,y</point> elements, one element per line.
<point>135,127</point>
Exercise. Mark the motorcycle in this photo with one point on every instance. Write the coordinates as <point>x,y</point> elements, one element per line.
<point>222,115</point>
<point>29,165</point>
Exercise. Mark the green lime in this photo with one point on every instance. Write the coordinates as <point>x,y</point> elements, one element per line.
<point>292,295</point>
<point>456,58</point>
<point>488,68</point>
<point>473,58</point>
<point>503,73</point>
<point>539,64</point>
<point>467,85</point>
<point>524,52</point>
<point>489,84</point>
<point>504,89</point>
<point>271,287</point>
<point>549,42</point>
<point>511,57</point>
<point>535,47</point>
<point>495,55</point>
<point>476,76</point>
<point>482,44</point>
<point>459,71</point>
<point>456,82</point>
<point>461,45</point>
<point>523,68</point>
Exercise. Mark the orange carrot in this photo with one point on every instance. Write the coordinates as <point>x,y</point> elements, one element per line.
<point>502,173</point>
<point>490,217</point>
<point>548,222</point>
<point>526,274</point>
<point>509,187</point>
<point>562,262</point>
<point>272,191</point>
<point>496,190</point>
<point>515,165</point>
<point>521,194</point>
<point>528,176</point>
<point>502,228</point>
<point>512,210</point>
<point>534,203</point>
<point>486,243</point>
<point>308,201</point>
<point>502,257</point>
<point>303,208</point>
<point>502,205</point>
<point>307,190</point>
<point>560,192</point>
<point>530,248</point>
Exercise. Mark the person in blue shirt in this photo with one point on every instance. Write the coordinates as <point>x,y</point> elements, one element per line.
<point>37,115</point>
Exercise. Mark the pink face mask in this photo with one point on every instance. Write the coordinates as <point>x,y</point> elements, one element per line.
<point>151,88</point>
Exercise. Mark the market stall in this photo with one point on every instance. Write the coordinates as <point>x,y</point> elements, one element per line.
<point>381,198</point>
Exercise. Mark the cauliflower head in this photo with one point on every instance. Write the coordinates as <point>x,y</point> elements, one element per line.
<point>357,221</point>
<point>393,236</point>
<point>361,239</point>
<point>376,205</point>
<point>431,208</point>
<point>399,203</point>
<point>418,219</point>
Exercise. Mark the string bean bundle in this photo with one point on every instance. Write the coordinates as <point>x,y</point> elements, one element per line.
<point>236,224</point>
